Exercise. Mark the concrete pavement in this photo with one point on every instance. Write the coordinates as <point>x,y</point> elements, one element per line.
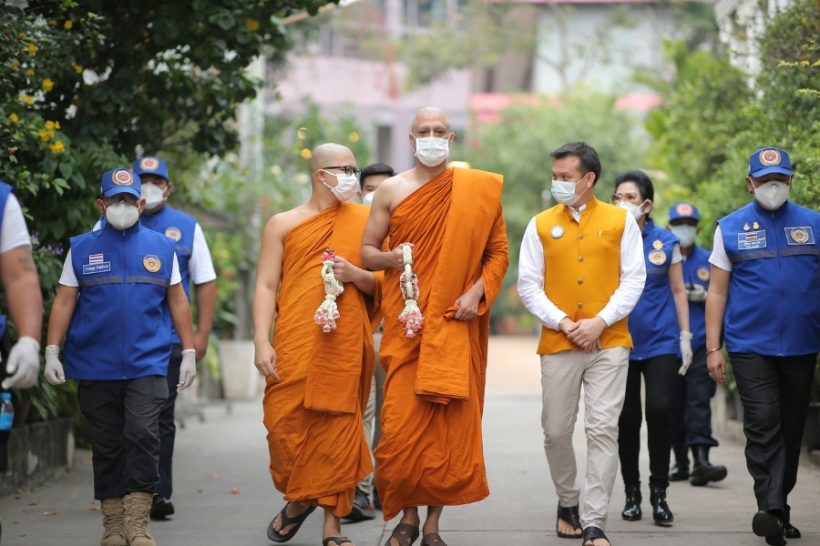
<point>224,495</point>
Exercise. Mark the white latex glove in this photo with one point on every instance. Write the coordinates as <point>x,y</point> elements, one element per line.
<point>54,368</point>
<point>695,293</point>
<point>23,364</point>
<point>685,352</point>
<point>187,370</point>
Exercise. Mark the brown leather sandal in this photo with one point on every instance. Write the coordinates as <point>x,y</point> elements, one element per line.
<point>404,533</point>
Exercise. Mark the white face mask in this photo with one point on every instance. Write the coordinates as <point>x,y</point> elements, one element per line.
<point>122,215</point>
<point>685,233</point>
<point>564,192</point>
<point>772,195</point>
<point>367,198</point>
<point>154,195</point>
<point>634,210</point>
<point>432,151</point>
<point>347,186</point>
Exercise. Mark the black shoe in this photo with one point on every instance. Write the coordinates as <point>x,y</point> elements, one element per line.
<point>790,531</point>
<point>362,509</point>
<point>703,471</point>
<point>632,507</point>
<point>769,525</point>
<point>161,507</point>
<point>660,510</point>
<point>680,471</point>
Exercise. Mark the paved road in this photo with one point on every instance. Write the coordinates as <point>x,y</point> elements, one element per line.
<point>229,451</point>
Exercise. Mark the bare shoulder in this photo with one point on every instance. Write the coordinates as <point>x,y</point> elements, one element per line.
<point>281,223</point>
<point>398,187</point>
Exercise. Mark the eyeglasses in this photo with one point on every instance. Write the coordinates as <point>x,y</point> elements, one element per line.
<point>347,169</point>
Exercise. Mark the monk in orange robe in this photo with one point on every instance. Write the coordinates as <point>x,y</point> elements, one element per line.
<point>317,382</point>
<point>431,450</point>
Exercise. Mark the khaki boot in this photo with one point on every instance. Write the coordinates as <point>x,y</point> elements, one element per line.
<point>137,507</point>
<point>113,522</point>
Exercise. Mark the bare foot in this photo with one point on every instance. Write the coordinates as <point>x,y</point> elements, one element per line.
<point>334,543</point>
<point>597,542</point>
<point>293,510</point>
<point>568,529</point>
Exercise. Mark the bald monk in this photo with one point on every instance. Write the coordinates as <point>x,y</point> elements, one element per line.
<point>431,450</point>
<point>316,382</point>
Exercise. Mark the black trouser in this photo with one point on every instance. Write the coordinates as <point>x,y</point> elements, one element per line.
<point>4,435</point>
<point>123,418</point>
<point>660,374</point>
<point>692,417</point>
<point>167,425</point>
<point>775,393</point>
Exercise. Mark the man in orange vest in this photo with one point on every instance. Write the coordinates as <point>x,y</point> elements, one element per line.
<point>580,272</point>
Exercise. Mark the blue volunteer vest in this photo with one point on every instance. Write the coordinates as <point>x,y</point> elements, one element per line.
<point>696,270</point>
<point>5,191</point>
<point>653,324</point>
<point>120,328</point>
<point>179,227</point>
<point>773,306</point>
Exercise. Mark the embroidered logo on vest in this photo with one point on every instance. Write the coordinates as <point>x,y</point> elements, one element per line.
<point>173,233</point>
<point>152,263</point>
<point>657,257</point>
<point>703,273</point>
<point>658,244</point>
<point>799,235</point>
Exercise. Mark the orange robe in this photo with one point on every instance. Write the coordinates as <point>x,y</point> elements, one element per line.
<point>431,449</point>
<point>318,451</point>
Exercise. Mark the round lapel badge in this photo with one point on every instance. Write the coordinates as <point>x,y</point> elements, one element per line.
<point>152,263</point>
<point>657,257</point>
<point>658,244</point>
<point>556,232</point>
<point>703,273</point>
<point>173,233</point>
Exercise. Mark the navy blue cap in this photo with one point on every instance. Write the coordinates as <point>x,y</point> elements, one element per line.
<point>118,181</point>
<point>684,210</point>
<point>151,165</point>
<point>770,159</point>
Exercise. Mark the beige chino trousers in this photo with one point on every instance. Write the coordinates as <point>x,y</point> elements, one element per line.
<point>603,377</point>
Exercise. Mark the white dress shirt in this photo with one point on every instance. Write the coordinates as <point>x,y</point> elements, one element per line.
<point>531,275</point>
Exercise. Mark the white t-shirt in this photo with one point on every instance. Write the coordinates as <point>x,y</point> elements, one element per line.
<point>719,258</point>
<point>13,232</point>
<point>68,278</point>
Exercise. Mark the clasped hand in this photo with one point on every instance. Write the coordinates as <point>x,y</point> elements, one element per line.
<point>585,333</point>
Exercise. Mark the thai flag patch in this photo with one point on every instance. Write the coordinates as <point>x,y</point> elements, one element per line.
<point>96,264</point>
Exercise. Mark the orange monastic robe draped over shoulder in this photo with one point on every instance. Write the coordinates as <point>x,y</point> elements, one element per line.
<point>431,449</point>
<point>313,416</point>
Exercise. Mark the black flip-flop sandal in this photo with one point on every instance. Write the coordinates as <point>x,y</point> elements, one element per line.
<point>570,515</point>
<point>432,539</point>
<point>404,533</point>
<point>338,540</point>
<point>592,532</point>
<point>275,536</point>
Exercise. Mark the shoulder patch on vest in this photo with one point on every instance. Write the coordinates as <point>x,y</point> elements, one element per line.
<point>703,273</point>
<point>799,235</point>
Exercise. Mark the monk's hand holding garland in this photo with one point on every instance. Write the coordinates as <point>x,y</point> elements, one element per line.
<point>397,257</point>
<point>265,360</point>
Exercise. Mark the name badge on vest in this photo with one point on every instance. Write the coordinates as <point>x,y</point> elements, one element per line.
<point>751,240</point>
<point>557,232</point>
<point>96,264</point>
<point>799,235</point>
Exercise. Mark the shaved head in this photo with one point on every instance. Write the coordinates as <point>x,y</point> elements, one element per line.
<point>325,155</point>
<point>430,115</point>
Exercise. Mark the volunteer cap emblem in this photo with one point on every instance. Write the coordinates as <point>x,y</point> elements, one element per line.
<point>769,157</point>
<point>122,177</point>
<point>149,163</point>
